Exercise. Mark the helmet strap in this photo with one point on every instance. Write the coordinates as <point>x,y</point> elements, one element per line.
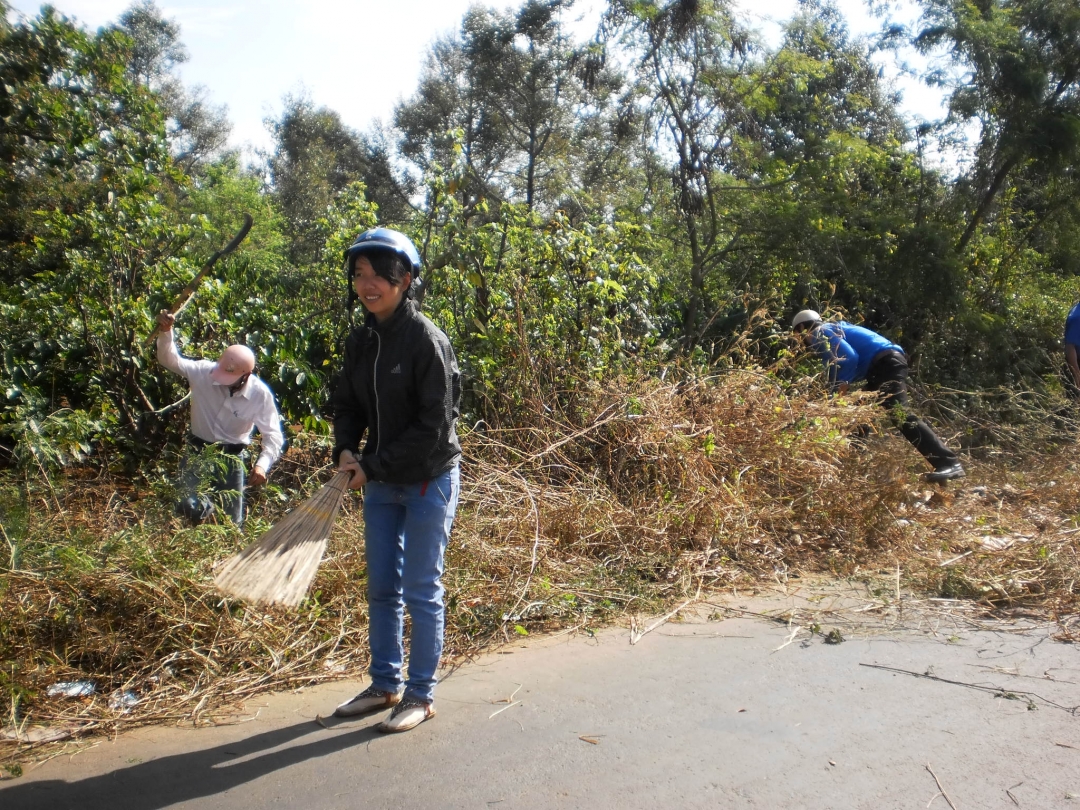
<point>416,290</point>
<point>236,386</point>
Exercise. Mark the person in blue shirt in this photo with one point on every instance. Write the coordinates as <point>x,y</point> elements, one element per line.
<point>853,353</point>
<point>1072,343</point>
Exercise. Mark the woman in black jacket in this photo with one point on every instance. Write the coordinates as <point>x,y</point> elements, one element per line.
<point>401,385</point>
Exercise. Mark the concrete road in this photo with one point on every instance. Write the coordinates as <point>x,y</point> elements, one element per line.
<point>721,709</point>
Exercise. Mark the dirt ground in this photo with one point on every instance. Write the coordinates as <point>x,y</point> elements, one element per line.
<point>806,696</point>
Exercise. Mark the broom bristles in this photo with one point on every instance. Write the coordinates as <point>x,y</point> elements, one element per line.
<point>279,567</point>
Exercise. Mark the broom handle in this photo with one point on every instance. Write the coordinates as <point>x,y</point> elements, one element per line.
<point>188,292</point>
<point>341,481</point>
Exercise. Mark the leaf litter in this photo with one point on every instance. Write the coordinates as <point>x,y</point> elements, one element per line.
<point>626,500</point>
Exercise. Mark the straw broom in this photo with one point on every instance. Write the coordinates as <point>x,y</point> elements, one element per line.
<point>278,567</point>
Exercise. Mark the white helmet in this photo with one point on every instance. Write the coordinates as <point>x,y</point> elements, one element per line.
<point>805,316</point>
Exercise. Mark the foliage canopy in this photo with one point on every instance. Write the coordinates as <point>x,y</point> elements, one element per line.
<point>587,210</point>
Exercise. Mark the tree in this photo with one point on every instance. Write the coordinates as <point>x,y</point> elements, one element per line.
<point>842,211</point>
<point>449,111</point>
<point>820,83</point>
<point>525,65</point>
<point>90,226</point>
<point>538,307</point>
<point>198,131</point>
<point>691,59</point>
<point>292,316</point>
<point>315,158</point>
<point>156,48</point>
<point>520,92</point>
<point>1020,81</point>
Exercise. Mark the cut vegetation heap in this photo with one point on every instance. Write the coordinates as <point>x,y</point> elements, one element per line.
<point>630,500</point>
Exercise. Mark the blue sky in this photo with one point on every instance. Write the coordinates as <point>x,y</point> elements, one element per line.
<point>358,57</point>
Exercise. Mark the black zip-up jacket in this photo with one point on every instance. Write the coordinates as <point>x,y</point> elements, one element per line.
<point>400,383</point>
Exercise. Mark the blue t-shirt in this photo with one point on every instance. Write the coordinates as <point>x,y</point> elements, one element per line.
<point>846,350</point>
<point>1072,326</point>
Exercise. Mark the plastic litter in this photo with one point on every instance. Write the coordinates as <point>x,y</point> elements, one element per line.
<point>38,734</point>
<point>123,701</point>
<point>71,689</point>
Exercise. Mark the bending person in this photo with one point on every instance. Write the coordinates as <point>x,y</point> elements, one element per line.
<point>1072,345</point>
<point>852,353</point>
<point>227,402</point>
<point>401,385</point>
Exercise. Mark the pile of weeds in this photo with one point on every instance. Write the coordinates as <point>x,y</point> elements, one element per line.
<point>624,499</point>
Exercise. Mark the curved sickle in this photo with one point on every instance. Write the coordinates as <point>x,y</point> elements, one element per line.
<point>188,292</point>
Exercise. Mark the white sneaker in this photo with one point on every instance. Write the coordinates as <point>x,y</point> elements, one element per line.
<point>371,699</point>
<point>407,714</point>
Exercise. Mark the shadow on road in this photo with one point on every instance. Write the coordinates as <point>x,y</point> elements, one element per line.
<point>173,779</point>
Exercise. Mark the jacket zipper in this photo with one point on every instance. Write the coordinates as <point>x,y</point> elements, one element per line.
<point>375,386</point>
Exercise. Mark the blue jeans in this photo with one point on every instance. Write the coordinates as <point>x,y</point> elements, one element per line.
<point>406,529</point>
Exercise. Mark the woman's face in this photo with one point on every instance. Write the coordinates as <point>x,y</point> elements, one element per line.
<point>379,296</point>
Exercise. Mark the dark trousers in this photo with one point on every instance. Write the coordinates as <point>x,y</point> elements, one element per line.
<point>211,476</point>
<point>888,375</point>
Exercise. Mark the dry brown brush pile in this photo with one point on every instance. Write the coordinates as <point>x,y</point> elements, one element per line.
<point>1007,537</point>
<point>631,497</point>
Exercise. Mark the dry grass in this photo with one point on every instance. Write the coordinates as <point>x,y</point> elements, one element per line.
<point>634,498</point>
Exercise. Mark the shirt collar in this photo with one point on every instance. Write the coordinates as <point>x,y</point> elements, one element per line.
<point>245,389</point>
<point>397,317</point>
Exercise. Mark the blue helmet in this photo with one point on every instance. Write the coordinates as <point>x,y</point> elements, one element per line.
<point>377,239</point>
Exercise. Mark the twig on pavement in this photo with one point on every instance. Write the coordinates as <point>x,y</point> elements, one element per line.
<point>1008,792</point>
<point>790,639</point>
<point>636,636</point>
<point>994,690</point>
<point>941,790</point>
<point>504,708</point>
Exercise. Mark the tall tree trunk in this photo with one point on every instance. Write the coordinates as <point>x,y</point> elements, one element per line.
<point>987,201</point>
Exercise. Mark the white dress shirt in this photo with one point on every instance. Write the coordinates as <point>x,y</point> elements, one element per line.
<point>217,416</point>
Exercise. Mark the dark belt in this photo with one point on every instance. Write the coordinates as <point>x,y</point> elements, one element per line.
<point>200,444</point>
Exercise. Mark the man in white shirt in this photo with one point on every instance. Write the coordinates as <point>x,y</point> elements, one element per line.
<point>227,402</point>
